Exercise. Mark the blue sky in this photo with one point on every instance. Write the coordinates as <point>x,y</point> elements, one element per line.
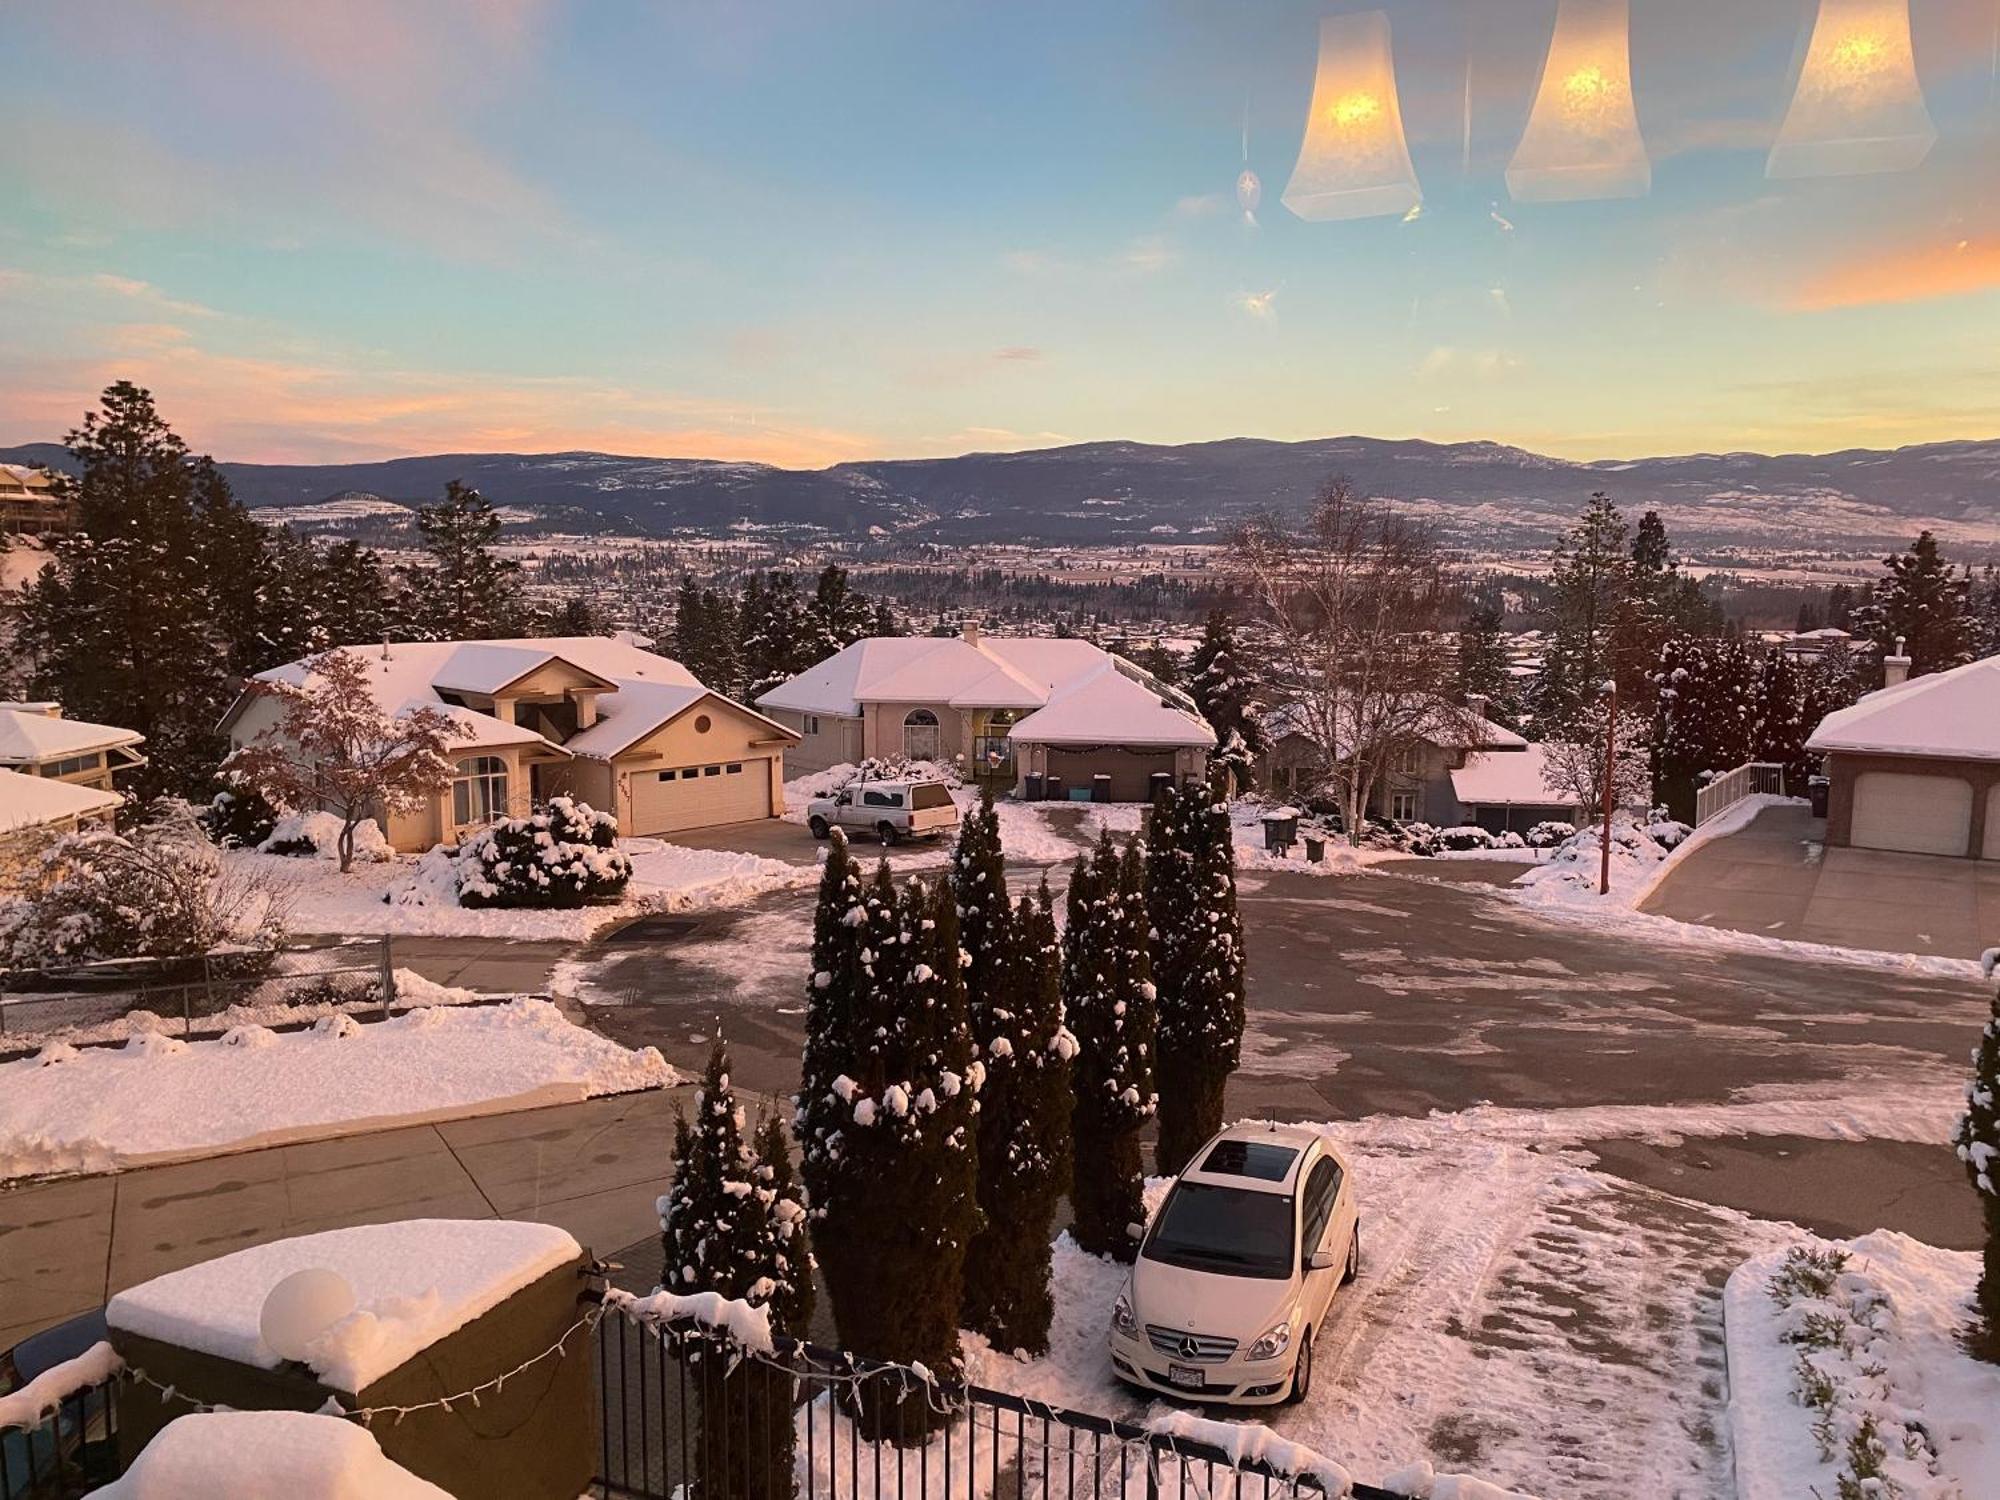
<point>808,232</point>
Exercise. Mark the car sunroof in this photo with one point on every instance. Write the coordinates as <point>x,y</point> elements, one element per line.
<point>1267,1162</point>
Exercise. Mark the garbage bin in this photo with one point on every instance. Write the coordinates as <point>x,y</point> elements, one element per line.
<point>1281,829</point>
<point>1818,789</point>
<point>1157,783</point>
<point>1315,848</point>
<point>1100,787</point>
<point>1034,786</point>
<point>1053,789</point>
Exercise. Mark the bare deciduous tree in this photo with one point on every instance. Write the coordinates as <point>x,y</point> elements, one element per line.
<point>1354,597</point>
<point>1576,763</point>
<point>334,748</point>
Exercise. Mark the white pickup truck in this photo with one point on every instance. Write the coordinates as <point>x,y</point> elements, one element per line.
<point>891,810</point>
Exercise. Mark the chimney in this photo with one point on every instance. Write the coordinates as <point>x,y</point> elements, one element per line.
<point>969,630</point>
<point>1475,704</point>
<point>1896,669</point>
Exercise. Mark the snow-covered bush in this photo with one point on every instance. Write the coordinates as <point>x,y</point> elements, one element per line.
<point>1466,836</point>
<point>238,817</point>
<point>160,891</point>
<point>316,835</point>
<point>563,855</point>
<point>1665,831</point>
<point>1512,840</point>
<point>1548,835</point>
<point>1977,1140</point>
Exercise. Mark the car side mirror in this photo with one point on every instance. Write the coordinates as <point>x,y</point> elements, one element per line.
<point>1322,1260</point>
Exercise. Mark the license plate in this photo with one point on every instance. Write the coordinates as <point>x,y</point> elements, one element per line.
<point>1187,1377</point>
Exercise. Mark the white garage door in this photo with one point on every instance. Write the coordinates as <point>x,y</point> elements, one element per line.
<point>686,797</point>
<point>1917,814</point>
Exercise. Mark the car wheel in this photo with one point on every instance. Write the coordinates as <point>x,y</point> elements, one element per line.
<point>1302,1371</point>
<point>819,827</point>
<point>1353,1268</point>
<point>887,833</point>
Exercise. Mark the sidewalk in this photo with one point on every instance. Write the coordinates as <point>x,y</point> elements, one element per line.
<point>594,1168</point>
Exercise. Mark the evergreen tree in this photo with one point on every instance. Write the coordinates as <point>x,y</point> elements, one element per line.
<point>1977,1140</point>
<point>1705,716</point>
<point>732,1224</point>
<point>1108,997</point>
<point>241,562</point>
<point>979,886</point>
<point>1221,687</point>
<point>1785,719</point>
<point>1922,604</point>
<point>1197,961</point>
<point>464,592</point>
<point>580,614</point>
<point>1986,613</point>
<point>356,601</point>
<point>837,616</point>
<point>1589,577</point>
<point>885,622</point>
<point>1483,662</point>
<point>122,626</point>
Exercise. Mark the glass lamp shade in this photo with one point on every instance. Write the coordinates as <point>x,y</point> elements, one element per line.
<point>1858,106</point>
<point>1583,139</point>
<point>1353,162</point>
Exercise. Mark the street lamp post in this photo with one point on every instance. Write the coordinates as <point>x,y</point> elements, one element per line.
<point>1610,785</point>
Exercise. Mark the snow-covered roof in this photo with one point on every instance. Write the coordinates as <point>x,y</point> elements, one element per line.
<point>299,1454</point>
<point>642,690</point>
<point>39,801</point>
<point>1508,778</point>
<point>28,736</point>
<point>1953,714</point>
<point>1081,693</point>
<point>1454,728</point>
<point>414,1282</point>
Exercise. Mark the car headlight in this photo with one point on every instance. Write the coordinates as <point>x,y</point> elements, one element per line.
<point>1271,1343</point>
<point>1122,1320</point>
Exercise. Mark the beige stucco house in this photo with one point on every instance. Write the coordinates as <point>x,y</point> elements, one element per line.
<point>1047,716</point>
<point>598,718</point>
<point>56,774</point>
<point>1424,783</point>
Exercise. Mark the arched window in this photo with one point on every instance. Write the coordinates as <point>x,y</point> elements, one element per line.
<point>479,790</point>
<point>920,734</point>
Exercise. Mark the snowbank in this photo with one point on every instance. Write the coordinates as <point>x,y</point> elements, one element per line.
<point>1850,1359</point>
<point>161,1099</point>
<point>1640,860</point>
<point>414,1282</point>
<point>321,830</point>
<point>266,1455</point>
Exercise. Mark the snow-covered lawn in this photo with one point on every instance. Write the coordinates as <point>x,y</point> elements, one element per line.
<point>416,897</point>
<point>161,1099</point>
<point>1845,1364</point>
<point>1639,862</point>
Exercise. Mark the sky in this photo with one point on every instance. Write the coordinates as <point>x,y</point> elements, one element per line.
<point>804,231</point>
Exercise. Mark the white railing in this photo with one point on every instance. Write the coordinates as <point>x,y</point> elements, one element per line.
<point>1732,787</point>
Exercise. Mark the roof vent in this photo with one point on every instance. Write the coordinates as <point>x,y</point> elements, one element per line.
<point>1896,669</point>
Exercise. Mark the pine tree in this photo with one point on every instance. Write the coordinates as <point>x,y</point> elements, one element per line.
<point>1483,662</point>
<point>242,561</point>
<point>1705,716</point>
<point>465,592</point>
<point>1109,999</point>
<point>979,886</point>
<point>1222,689</point>
<point>356,606</point>
<point>1589,576</point>
<point>837,616</point>
<point>836,1017</point>
<point>732,1224</point>
<point>1986,613</point>
<point>1785,720</point>
<point>1197,962</point>
<point>1977,1140</point>
<point>1922,604</point>
<point>122,625</point>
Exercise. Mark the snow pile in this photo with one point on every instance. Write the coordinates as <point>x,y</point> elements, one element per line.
<point>266,1455</point>
<point>1642,855</point>
<point>34,1401</point>
<point>1846,1374</point>
<point>672,877</point>
<point>317,835</point>
<point>102,1110</point>
<point>414,1282</point>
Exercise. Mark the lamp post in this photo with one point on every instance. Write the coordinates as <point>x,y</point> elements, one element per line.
<point>1610,784</point>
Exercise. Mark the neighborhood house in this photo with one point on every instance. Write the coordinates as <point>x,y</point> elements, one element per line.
<point>56,773</point>
<point>1054,718</point>
<point>1915,766</point>
<point>597,718</point>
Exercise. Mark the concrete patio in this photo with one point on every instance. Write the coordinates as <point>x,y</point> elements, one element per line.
<point>1777,878</point>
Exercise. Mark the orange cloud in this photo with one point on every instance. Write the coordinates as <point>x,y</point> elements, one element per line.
<point>1907,273</point>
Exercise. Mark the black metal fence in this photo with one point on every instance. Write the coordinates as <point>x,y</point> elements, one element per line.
<point>72,1452</point>
<point>657,1380</point>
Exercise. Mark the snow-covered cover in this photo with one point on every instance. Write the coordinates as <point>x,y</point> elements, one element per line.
<point>1868,1345</point>
<point>161,1099</point>
<point>1954,713</point>
<point>266,1455</point>
<point>36,801</point>
<point>414,1282</point>
<point>29,732</point>
<point>28,1406</point>
<point>321,830</point>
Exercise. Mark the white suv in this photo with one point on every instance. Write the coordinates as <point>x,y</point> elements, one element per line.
<point>891,810</point>
<point>1238,1268</point>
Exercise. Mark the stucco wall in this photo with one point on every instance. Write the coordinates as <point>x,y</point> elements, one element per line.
<point>839,742</point>
<point>883,733</point>
<point>1844,770</point>
<point>732,735</point>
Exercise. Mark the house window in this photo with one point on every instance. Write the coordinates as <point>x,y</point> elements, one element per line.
<point>734,768</point>
<point>711,770</point>
<point>812,724</point>
<point>703,723</point>
<point>920,734</point>
<point>479,790</point>
<point>1402,807</point>
<point>1409,760</point>
<point>690,773</point>
<point>992,750</point>
<point>73,765</point>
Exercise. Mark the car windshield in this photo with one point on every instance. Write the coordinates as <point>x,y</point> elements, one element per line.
<point>1230,1231</point>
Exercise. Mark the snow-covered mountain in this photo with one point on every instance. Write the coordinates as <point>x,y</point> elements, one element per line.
<point>1117,491</point>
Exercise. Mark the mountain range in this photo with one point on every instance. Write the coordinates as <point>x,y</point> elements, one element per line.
<point>1120,492</point>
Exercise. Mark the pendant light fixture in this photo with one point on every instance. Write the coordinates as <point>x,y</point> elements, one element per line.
<point>1583,139</point>
<point>1858,106</point>
<point>1354,162</point>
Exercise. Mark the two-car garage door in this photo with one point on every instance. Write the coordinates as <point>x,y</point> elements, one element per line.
<point>684,797</point>
<point>1916,814</point>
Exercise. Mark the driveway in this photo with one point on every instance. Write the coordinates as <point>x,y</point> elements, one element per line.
<point>1776,877</point>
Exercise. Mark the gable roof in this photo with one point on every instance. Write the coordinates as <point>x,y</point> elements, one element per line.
<point>27,737</point>
<point>1953,714</point>
<point>1508,778</point>
<point>642,690</point>
<point>35,801</point>
<point>1070,686</point>
<point>1460,730</point>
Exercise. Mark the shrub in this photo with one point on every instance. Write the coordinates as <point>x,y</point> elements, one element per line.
<point>560,856</point>
<point>1548,835</point>
<point>1511,840</point>
<point>316,835</point>
<point>238,817</point>
<point>1466,836</point>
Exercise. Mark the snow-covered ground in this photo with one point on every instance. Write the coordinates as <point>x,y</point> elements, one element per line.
<point>161,1099</point>
<point>1854,1349</point>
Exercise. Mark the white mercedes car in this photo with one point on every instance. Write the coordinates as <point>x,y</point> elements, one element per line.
<point>1237,1271</point>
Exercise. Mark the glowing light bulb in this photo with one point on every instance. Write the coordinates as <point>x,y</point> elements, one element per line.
<point>1356,109</point>
<point>1354,162</point>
